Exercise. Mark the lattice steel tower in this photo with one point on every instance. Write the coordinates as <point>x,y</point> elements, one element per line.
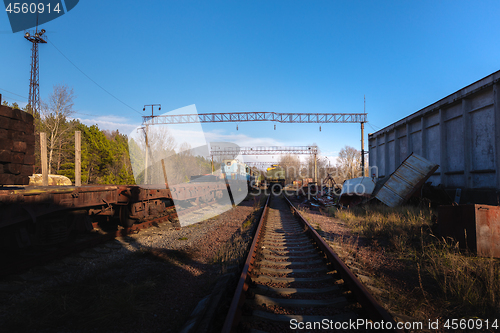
<point>33,106</point>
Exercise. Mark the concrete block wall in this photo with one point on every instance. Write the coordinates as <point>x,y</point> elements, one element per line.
<point>17,146</point>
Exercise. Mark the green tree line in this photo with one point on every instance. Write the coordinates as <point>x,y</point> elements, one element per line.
<point>105,155</point>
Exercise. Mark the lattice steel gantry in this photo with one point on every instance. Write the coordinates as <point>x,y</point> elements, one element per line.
<point>33,106</point>
<point>224,117</point>
<point>272,150</point>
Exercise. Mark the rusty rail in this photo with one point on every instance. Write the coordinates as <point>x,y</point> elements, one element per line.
<point>373,309</point>
<point>234,312</point>
<point>363,296</point>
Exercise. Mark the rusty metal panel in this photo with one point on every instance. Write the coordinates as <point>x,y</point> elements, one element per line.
<point>488,230</point>
<point>476,227</point>
<point>405,180</point>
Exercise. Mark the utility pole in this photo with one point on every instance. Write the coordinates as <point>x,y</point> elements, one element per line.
<point>315,170</point>
<point>146,162</point>
<point>363,140</point>
<point>34,94</point>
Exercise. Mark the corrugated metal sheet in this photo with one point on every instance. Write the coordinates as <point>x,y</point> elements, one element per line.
<point>413,172</point>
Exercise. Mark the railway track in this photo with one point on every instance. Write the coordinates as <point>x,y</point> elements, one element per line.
<point>292,280</point>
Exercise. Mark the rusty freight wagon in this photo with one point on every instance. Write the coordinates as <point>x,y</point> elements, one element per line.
<point>48,214</point>
<point>460,132</point>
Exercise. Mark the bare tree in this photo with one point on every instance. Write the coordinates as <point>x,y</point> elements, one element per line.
<point>161,146</point>
<point>348,163</point>
<point>54,118</point>
<point>291,165</point>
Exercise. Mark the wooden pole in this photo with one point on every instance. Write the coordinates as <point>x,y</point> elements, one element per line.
<point>164,171</point>
<point>78,158</point>
<point>43,155</point>
<point>146,159</point>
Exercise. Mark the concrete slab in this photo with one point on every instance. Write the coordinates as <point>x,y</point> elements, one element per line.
<point>292,270</point>
<point>262,289</point>
<point>287,318</point>
<point>310,303</point>
<point>290,263</point>
<point>271,279</point>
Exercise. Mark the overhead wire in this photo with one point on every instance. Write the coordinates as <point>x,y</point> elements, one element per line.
<point>15,99</point>
<point>373,127</point>
<point>88,77</point>
<point>10,92</point>
<point>76,112</point>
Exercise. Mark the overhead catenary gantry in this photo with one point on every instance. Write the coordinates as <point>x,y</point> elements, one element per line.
<point>271,150</point>
<point>237,117</point>
<point>260,164</point>
<point>226,117</point>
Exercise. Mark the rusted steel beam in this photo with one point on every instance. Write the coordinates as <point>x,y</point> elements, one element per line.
<point>234,314</point>
<point>364,297</point>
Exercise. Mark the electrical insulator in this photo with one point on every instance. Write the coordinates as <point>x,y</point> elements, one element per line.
<point>236,127</point>
<point>320,128</point>
<point>275,127</point>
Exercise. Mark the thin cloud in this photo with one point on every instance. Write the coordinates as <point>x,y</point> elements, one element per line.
<point>111,123</point>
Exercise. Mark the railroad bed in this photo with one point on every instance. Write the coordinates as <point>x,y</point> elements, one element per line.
<point>293,280</point>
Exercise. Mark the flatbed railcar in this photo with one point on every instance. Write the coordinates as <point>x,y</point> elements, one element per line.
<point>49,214</point>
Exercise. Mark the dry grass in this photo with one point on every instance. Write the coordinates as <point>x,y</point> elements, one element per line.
<point>441,280</point>
<point>396,227</point>
<point>470,283</point>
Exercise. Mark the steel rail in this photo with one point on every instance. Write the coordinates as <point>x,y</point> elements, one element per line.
<point>234,313</point>
<point>363,296</point>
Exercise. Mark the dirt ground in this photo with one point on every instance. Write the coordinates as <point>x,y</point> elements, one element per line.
<point>148,282</point>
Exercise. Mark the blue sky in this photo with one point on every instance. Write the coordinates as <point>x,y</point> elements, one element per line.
<point>281,56</point>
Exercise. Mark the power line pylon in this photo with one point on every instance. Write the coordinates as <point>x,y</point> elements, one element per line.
<point>33,106</point>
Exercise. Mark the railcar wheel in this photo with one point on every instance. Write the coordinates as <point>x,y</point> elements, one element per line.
<point>125,220</point>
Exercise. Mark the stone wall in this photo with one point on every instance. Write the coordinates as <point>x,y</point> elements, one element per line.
<point>17,146</point>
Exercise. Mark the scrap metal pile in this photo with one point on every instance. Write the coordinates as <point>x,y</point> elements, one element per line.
<point>391,191</point>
